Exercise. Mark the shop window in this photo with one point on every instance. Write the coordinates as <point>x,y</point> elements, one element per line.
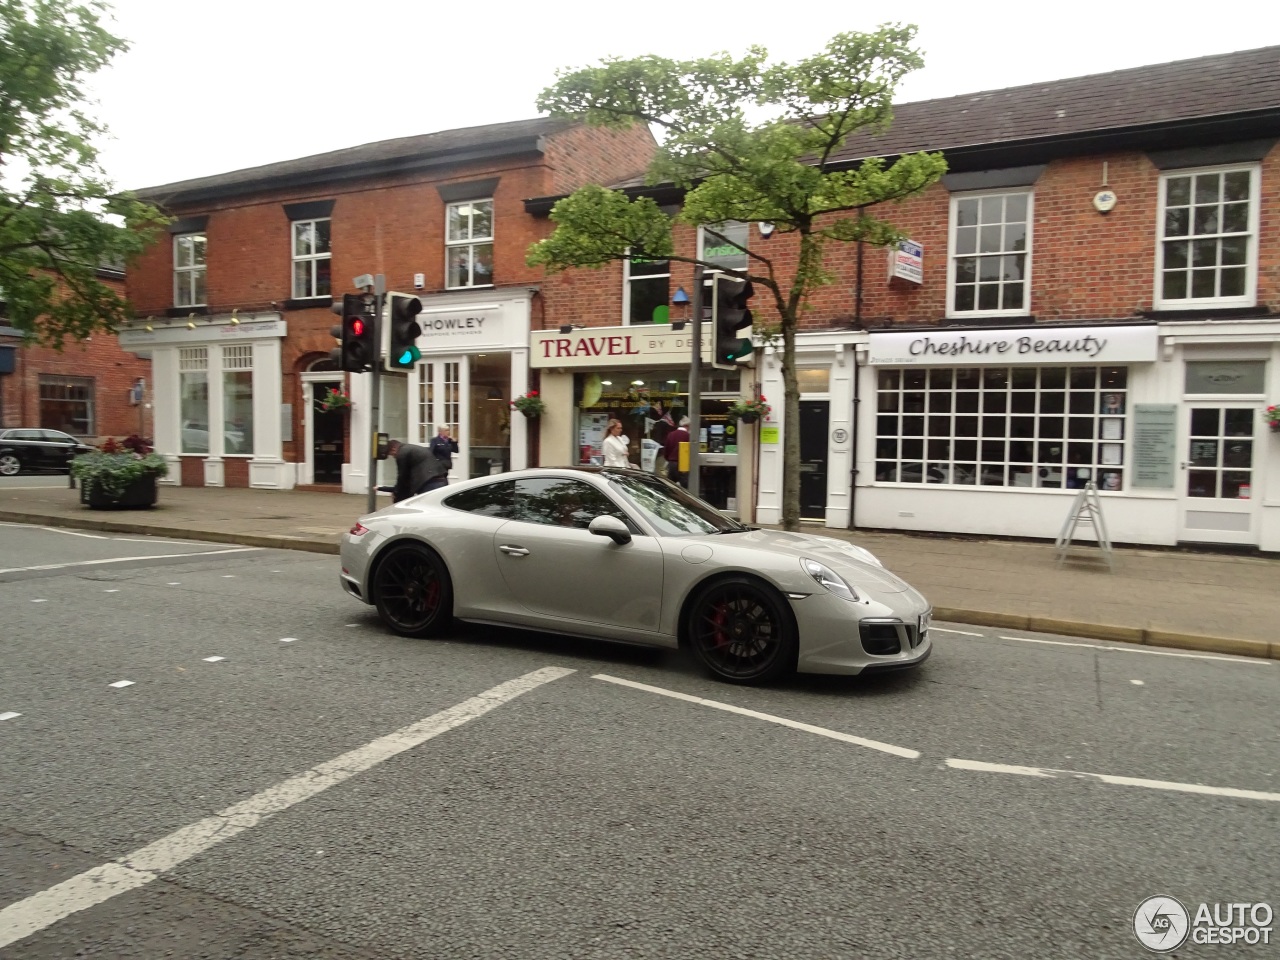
<point>646,291</point>
<point>189,270</point>
<point>1052,427</point>
<point>1208,226</point>
<point>469,244</point>
<point>237,399</point>
<point>66,404</point>
<point>1229,377</point>
<point>311,259</point>
<point>990,254</point>
<point>193,393</point>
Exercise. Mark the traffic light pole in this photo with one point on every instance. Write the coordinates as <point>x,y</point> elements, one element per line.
<point>695,384</point>
<point>375,419</point>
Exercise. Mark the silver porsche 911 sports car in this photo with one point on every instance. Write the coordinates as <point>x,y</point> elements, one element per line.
<point>625,555</point>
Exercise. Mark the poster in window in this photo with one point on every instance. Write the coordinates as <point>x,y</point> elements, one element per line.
<point>1112,403</point>
<point>1112,428</point>
<point>1112,454</point>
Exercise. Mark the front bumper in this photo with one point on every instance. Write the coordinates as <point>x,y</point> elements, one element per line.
<point>843,638</point>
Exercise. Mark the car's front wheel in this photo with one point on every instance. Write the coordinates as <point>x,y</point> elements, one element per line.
<point>412,591</point>
<point>10,465</point>
<point>741,631</point>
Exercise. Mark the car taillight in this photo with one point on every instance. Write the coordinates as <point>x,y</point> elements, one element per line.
<point>359,529</point>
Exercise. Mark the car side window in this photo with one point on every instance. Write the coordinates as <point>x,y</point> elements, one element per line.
<point>490,500</point>
<point>53,436</point>
<point>562,502</point>
<point>22,435</point>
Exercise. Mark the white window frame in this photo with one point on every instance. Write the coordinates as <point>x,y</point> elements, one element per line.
<point>627,278</point>
<point>1109,428</point>
<point>470,241</point>
<point>310,258</point>
<point>194,360</point>
<point>184,276</point>
<point>236,358</point>
<point>1250,297</point>
<point>952,256</point>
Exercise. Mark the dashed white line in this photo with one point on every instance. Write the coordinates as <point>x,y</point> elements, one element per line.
<point>111,591</point>
<point>1050,773</point>
<point>38,600</point>
<point>9,715</point>
<point>214,659</point>
<point>35,913</point>
<point>782,721</point>
<point>963,633</point>
<point>121,683</point>
<point>159,556</point>
<point>288,639</point>
<point>1133,648</point>
<point>1137,683</point>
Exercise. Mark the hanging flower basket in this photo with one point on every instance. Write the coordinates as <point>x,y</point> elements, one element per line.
<point>1272,416</point>
<point>749,411</point>
<point>530,404</point>
<point>334,400</point>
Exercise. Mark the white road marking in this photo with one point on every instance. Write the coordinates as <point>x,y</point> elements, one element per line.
<point>963,633</point>
<point>111,591</point>
<point>174,583</point>
<point>782,721</point>
<point>1134,648</point>
<point>38,600</point>
<point>228,576</point>
<point>75,533</point>
<point>9,715</point>
<point>288,639</point>
<point>1050,773</point>
<point>161,556</point>
<point>1137,683</point>
<point>22,919</point>
<point>213,659</point>
<point>121,683</point>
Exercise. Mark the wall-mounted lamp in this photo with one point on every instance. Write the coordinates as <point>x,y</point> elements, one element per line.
<point>235,321</point>
<point>680,299</point>
<point>766,229</point>
<point>680,296</point>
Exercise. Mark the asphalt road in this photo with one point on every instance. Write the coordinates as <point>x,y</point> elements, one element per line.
<point>326,789</point>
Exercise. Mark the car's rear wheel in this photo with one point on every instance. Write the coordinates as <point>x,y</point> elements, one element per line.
<point>412,591</point>
<point>740,630</point>
<point>10,465</point>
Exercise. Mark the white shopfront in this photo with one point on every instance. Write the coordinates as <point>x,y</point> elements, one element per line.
<point>994,431</point>
<point>475,360</point>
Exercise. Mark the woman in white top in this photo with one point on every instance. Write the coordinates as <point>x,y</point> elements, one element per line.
<point>615,446</point>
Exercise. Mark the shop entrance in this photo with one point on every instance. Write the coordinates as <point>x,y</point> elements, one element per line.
<point>328,441</point>
<point>815,417</point>
<point>1219,476</point>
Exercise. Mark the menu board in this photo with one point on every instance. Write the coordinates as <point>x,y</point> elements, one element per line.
<point>1155,435</point>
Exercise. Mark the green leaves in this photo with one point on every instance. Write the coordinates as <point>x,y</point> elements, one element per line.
<point>60,219</point>
<point>596,226</point>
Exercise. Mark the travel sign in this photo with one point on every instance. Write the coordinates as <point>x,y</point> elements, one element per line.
<point>1023,345</point>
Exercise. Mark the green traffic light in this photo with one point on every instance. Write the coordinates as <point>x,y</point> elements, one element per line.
<point>408,357</point>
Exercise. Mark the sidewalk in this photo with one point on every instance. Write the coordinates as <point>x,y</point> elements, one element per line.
<point>1222,603</point>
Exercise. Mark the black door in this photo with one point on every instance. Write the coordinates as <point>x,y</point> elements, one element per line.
<point>815,416</point>
<point>328,448</point>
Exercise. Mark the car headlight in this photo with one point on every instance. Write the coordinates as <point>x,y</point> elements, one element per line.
<point>829,579</point>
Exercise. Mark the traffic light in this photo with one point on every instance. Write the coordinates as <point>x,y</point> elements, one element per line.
<point>729,314</point>
<point>357,352</point>
<point>403,331</point>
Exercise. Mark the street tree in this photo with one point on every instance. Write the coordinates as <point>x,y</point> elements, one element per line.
<point>60,217</point>
<point>780,165</point>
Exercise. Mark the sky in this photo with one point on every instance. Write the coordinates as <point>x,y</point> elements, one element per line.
<point>212,87</point>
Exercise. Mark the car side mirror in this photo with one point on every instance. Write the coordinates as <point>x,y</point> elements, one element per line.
<point>611,527</point>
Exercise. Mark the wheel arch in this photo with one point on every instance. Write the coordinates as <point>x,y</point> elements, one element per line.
<point>719,576</point>
<point>391,543</point>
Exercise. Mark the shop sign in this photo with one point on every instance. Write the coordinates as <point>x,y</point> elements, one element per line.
<point>463,328</point>
<point>1155,428</point>
<point>614,347</point>
<point>178,334</point>
<point>1022,345</point>
<point>906,261</point>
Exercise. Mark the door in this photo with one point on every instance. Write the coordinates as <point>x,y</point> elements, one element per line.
<point>554,567</point>
<point>442,385</point>
<point>328,443</point>
<point>58,449</point>
<point>1220,473</point>
<point>815,416</point>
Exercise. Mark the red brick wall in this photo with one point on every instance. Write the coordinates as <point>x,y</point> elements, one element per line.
<point>1085,265</point>
<point>582,155</point>
<point>99,358</point>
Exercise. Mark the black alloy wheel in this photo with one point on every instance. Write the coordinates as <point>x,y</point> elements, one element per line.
<point>741,631</point>
<point>412,591</point>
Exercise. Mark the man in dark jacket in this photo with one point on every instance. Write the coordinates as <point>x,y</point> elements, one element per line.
<point>417,470</point>
<point>444,446</point>
<point>671,451</point>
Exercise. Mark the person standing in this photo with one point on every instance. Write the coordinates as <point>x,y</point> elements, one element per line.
<point>417,470</point>
<point>616,447</point>
<point>444,447</point>
<point>671,451</point>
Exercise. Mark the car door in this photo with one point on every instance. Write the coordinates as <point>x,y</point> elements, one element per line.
<point>56,449</point>
<point>26,445</point>
<point>556,568</point>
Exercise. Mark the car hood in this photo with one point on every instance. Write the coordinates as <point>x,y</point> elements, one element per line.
<point>857,565</point>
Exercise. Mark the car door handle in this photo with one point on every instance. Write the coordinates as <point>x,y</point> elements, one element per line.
<point>512,550</point>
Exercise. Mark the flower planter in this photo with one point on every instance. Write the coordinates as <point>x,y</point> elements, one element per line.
<point>749,417</point>
<point>531,414</point>
<point>137,495</point>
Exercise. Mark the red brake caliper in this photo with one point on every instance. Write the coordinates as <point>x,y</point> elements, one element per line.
<point>718,620</point>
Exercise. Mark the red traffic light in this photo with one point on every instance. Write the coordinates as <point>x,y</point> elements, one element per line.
<point>357,326</point>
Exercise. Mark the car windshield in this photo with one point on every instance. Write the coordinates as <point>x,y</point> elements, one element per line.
<point>670,509</point>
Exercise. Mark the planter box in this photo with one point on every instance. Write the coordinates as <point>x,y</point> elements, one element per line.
<point>138,495</point>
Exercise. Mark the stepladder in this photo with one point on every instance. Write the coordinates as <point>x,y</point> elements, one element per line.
<point>1086,511</point>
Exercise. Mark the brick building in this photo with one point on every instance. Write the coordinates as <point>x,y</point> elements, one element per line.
<point>234,307</point>
<point>90,388</point>
<point>1093,295</point>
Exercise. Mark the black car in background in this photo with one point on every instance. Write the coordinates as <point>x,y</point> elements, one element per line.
<point>28,449</point>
